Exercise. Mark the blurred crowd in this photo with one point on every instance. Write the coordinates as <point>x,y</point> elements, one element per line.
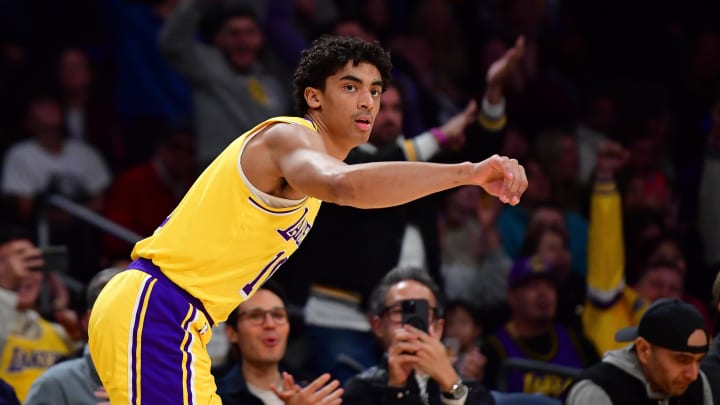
<point>612,107</point>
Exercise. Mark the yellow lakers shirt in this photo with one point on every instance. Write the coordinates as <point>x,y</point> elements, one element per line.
<point>222,242</point>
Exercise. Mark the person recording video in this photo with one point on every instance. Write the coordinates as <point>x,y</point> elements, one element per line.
<point>406,316</point>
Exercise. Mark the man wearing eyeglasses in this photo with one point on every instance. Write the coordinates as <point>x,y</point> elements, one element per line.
<point>416,368</point>
<point>258,332</point>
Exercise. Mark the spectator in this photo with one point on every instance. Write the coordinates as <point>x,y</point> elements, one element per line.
<point>73,382</point>
<point>610,304</point>
<point>234,83</point>
<point>711,362</point>
<point>463,334</point>
<point>89,117</point>
<point>259,342</point>
<point>474,265</point>
<point>50,163</point>
<point>662,365</point>
<point>533,333</point>
<point>163,179</point>
<point>416,368</point>
<point>29,344</point>
<point>49,159</point>
<point>550,242</point>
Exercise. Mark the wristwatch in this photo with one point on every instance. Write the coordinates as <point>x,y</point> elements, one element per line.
<point>457,391</point>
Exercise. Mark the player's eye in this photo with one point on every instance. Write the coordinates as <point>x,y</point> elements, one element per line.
<point>350,87</point>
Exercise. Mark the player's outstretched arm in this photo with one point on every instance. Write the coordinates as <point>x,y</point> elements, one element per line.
<point>308,169</point>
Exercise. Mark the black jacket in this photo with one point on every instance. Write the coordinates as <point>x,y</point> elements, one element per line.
<point>370,388</point>
<point>233,389</point>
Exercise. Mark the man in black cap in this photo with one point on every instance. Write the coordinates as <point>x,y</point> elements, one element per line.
<point>661,366</point>
<point>711,362</point>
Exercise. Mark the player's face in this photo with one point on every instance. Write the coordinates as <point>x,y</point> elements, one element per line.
<point>350,102</point>
<point>389,120</point>
<point>671,372</point>
<point>262,333</point>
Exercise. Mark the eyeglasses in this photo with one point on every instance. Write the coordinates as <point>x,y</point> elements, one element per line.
<point>394,312</point>
<point>258,316</point>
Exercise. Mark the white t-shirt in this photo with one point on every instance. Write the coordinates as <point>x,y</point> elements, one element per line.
<point>28,169</point>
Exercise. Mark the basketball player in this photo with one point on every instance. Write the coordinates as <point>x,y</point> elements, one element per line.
<point>244,216</point>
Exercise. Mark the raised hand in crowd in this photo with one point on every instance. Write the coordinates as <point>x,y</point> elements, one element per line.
<point>499,70</point>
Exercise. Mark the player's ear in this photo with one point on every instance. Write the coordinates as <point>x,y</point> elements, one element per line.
<point>312,97</point>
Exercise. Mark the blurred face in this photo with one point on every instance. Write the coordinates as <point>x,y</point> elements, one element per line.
<point>546,216</point>
<point>262,329</point>
<point>462,204</point>
<point>660,282</point>
<point>552,249</point>
<point>533,301</point>
<point>459,324</point>
<point>240,39</point>
<point>74,70</point>
<point>45,118</point>
<point>389,120</point>
<point>384,325</point>
<point>670,372</point>
<point>349,103</point>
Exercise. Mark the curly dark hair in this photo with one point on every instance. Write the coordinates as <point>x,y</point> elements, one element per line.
<point>327,55</point>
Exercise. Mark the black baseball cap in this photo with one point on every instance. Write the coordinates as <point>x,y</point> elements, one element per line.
<point>668,323</point>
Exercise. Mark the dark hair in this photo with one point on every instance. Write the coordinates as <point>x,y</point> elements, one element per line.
<point>395,276</point>
<point>475,313</point>
<point>11,232</point>
<point>327,55</point>
<point>97,283</point>
<point>269,285</point>
<point>534,235</point>
<point>651,266</point>
<point>216,16</point>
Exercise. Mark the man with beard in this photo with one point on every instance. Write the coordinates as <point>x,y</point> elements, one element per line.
<point>533,333</point>
<point>661,366</point>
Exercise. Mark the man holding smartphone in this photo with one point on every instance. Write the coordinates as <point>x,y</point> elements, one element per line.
<point>416,368</point>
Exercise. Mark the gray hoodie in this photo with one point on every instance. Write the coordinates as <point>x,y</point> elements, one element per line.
<point>586,392</point>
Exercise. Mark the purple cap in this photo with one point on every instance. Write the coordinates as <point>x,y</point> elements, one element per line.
<point>527,268</point>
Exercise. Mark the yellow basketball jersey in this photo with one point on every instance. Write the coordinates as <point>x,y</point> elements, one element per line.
<point>25,358</point>
<point>222,242</point>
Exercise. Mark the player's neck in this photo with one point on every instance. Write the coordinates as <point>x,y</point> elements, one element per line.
<point>261,375</point>
<point>334,149</point>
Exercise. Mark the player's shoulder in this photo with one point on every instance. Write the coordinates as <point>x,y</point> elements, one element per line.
<point>289,132</point>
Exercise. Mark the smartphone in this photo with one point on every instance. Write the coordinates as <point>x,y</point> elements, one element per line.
<point>415,313</point>
<point>55,258</point>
